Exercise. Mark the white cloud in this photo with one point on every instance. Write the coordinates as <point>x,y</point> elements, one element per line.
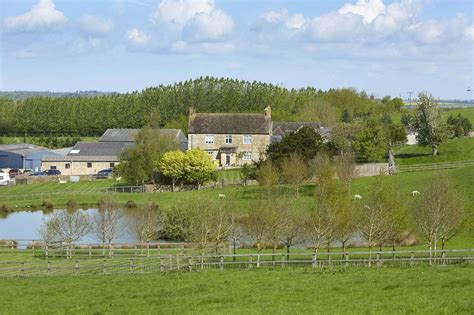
<point>199,20</point>
<point>42,16</point>
<point>368,9</point>
<point>137,38</point>
<point>95,25</point>
<point>336,27</point>
<point>469,33</point>
<point>290,22</point>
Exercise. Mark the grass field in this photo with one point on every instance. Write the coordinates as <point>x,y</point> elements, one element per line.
<point>8,140</point>
<point>434,290</point>
<point>450,151</point>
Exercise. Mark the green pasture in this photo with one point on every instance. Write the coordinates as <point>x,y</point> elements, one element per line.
<point>427,290</point>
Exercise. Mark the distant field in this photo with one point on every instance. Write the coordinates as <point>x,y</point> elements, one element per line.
<point>8,140</point>
<point>427,290</point>
<point>466,112</point>
<point>450,151</point>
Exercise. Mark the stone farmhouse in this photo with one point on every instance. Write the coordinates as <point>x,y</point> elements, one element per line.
<point>88,158</point>
<point>236,139</point>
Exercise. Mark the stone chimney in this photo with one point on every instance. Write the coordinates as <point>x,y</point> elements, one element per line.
<point>268,111</point>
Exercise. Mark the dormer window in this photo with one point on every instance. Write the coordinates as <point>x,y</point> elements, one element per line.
<point>228,139</point>
<point>209,139</point>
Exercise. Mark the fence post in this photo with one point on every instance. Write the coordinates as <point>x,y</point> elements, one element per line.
<point>131,265</point>
<point>135,250</point>
<point>258,260</point>
<point>162,266</point>
<point>77,267</point>
<point>46,251</point>
<point>111,250</point>
<point>104,266</point>
<point>443,257</point>
<point>412,258</point>
<point>49,267</point>
<point>147,249</point>
<point>379,262</point>
<point>221,263</point>
<point>347,258</point>
<point>90,251</point>
<point>250,261</point>
<point>283,257</point>
<point>177,261</point>
<point>13,246</point>
<point>190,264</point>
<point>314,260</point>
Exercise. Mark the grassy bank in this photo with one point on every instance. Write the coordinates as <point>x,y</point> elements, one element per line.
<point>355,290</point>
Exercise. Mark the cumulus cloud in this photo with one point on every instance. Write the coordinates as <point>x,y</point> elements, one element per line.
<point>469,33</point>
<point>42,16</point>
<point>95,25</point>
<point>199,20</point>
<point>283,18</point>
<point>368,9</point>
<point>137,38</point>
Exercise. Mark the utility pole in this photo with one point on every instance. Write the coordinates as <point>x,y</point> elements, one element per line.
<point>470,91</point>
<point>410,93</point>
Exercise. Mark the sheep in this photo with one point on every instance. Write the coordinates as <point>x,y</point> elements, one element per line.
<point>415,193</point>
<point>357,197</point>
<point>221,196</point>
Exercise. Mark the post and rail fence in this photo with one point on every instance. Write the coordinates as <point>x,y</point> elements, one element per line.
<point>96,259</point>
<point>433,166</point>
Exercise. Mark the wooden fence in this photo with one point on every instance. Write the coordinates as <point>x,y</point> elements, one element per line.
<point>433,166</point>
<point>190,263</point>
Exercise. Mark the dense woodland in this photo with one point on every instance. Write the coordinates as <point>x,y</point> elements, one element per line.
<point>91,116</point>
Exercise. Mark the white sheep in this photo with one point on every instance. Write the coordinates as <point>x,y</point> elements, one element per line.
<point>357,197</point>
<point>221,196</point>
<point>415,193</point>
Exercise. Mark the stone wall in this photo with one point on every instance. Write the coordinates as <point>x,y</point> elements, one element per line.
<point>372,169</point>
<point>77,168</point>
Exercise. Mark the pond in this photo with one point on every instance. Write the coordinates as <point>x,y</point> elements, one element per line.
<point>24,225</point>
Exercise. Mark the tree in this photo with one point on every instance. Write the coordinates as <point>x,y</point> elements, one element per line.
<point>139,164</point>
<point>343,214</point>
<point>172,165</point>
<point>247,172</point>
<point>199,167</point>
<point>343,138</point>
<point>107,223</point>
<point>431,131</point>
<point>438,212</point>
<point>294,171</point>
<point>267,176</point>
<point>145,223</point>
<point>371,141</point>
<point>257,225</point>
<point>305,142</point>
<point>459,126</point>
<point>66,227</point>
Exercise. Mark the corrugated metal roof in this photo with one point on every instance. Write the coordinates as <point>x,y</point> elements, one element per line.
<point>23,149</point>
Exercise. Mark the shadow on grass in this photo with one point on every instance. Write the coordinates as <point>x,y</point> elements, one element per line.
<point>412,155</point>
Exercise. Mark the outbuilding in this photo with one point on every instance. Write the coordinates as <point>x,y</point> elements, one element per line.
<point>23,156</point>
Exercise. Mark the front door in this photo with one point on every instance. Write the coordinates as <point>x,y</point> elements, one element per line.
<point>227,159</point>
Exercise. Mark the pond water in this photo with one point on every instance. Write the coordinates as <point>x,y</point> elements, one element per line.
<point>24,225</point>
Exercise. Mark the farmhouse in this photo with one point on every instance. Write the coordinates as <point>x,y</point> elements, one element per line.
<point>236,139</point>
<point>23,156</point>
<point>88,158</point>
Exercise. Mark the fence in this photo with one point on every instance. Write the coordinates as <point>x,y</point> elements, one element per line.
<point>75,192</point>
<point>433,166</point>
<point>189,263</point>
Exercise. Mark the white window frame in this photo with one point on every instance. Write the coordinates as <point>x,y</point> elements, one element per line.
<point>209,139</point>
<point>247,139</point>
<point>247,156</point>
<point>228,139</point>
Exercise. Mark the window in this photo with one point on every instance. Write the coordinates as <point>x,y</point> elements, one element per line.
<point>228,139</point>
<point>89,164</point>
<point>75,151</point>
<point>247,139</point>
<point>247,156</point>
<point>67,165</point>
<point>209,139</point>
<point>112,164</point>
<point>53,167</point>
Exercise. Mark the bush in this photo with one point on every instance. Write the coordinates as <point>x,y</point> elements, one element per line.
<point>5,209</point>
<point>130,204</point>
<point>48,204</point>
<point>71,204</point>
<point>459,126</point>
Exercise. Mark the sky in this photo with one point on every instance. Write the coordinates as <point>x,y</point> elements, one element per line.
<point>381,47</point>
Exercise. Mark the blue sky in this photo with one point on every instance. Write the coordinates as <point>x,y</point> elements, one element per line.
<point>382,47</point>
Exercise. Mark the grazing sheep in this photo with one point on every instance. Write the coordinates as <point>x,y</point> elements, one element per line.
<point>221,196</point>
<point>357,197</point>
<point>415,193</point>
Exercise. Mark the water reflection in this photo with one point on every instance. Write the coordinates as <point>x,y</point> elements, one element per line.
<point>25,225</point>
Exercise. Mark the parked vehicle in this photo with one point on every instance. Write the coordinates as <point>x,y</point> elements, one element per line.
<point>106,173</point>
<point>4,179</point>
<point>14,172</point>
<point>52,172</point>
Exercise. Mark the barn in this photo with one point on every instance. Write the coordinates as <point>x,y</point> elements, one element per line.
<point>23,156</point>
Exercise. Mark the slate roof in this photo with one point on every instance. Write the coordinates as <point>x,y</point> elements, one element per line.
<point>24,149</point>
<point>98,148</point>
<point>94,158</point>
<point>128,136</point>
<point>204,123</point>
<point>282,128</point>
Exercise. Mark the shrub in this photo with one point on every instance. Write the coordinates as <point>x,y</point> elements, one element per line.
<point>71,204</point>
<point>48,204</point>
<point>130,204</point>
<point>4,208</point>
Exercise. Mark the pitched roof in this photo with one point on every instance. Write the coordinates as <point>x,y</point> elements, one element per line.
<point>281,128</point>
<point>93,158</point>
<point>24,149</point>
<point>98,148</point>
<point>128,135</point>
<point>229,123</point>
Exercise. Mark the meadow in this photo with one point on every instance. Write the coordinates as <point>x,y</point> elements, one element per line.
<point>437,290</point>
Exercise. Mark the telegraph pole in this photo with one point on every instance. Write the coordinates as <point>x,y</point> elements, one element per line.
<point>410,93</point>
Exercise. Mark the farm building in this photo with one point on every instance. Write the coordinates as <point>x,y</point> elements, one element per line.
<point>128,136</point>
<point>23,156</point>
